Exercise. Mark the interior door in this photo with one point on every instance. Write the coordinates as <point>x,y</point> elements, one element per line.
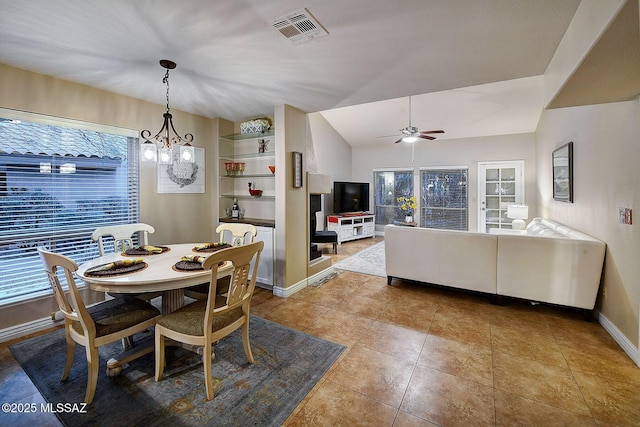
<point>499,184</point>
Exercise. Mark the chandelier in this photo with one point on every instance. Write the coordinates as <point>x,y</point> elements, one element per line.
<point>167,142</point>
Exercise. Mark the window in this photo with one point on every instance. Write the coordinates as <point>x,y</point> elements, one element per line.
<point>388,186</point>
<point>57,184</point>
<point>443,201</point>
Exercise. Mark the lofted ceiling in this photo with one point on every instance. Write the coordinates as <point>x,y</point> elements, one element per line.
<point>472,66</point>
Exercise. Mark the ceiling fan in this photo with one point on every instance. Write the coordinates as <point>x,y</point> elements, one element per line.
<point>411,134</point>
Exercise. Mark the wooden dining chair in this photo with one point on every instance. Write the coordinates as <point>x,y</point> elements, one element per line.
<point>205,322</point>
<point>236,234</point>
<point>122,236</point>
<point>97,325</point>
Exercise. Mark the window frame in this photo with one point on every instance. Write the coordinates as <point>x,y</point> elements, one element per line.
<point>398,215</point>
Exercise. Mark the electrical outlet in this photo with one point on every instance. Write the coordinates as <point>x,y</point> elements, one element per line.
<point>604,292</point>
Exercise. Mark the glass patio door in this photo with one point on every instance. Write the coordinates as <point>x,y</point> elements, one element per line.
<point>499,184</point>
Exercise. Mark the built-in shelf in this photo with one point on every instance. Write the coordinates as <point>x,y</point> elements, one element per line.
<point>250,175</point>
<point>244,136</point>
<point>247,196</point>
<point>267,155</point>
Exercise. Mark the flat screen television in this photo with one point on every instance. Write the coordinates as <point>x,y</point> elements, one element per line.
<point>350,197</point>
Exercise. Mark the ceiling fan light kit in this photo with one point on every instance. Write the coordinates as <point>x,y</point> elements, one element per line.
<point>411,134</point>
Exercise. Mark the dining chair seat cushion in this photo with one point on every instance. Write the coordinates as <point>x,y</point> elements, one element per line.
<point>189,320</point>
<point>118,314</point>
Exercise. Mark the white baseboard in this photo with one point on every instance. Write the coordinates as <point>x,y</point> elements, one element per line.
<point>320,276</point>
<point>27,328</point>
<point>311,280</point>
<point>628,347</point>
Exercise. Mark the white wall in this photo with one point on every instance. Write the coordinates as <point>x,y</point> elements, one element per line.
<point>606,145</point>
<point>328,153</point>
<point>452,152</point>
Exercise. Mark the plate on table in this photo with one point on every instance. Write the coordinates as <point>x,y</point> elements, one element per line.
<point>116,268</point>
<point>145,251</point>
<point>210,247</point>
<point>189,266</point>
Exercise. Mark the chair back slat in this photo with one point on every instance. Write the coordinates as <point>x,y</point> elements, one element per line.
<point>243,278</point>
<point>240,233</point>
<point>59,294</point>
<point>122,236</point>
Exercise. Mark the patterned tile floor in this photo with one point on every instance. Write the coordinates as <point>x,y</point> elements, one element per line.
<point>425,356</point>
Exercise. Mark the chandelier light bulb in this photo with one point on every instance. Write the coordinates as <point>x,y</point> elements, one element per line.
<point>164,156</point>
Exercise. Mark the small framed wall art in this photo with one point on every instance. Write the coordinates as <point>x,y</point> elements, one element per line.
<point>297,169</point>
<point>563,173</point>
<point>182,177</point>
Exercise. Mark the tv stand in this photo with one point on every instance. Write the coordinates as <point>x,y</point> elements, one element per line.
<point>352,225</point>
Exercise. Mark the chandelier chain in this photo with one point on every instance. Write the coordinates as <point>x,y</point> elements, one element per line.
<point>165,80</point>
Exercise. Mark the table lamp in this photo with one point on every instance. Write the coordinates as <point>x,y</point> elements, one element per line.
<point>518,213</point>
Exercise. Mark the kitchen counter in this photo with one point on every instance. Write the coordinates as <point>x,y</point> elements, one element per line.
<point>258,222</point>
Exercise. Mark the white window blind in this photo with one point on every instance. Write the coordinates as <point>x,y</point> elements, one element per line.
<point>443,202</point>
<point>57,184</point>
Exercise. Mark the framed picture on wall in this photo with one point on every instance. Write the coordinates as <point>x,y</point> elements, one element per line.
<point>297,169</point>
<point>562,158</point>
<point>182,177</point>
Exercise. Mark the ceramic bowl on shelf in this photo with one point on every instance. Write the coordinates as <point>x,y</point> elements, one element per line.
<point>255,193</point>
<point>272,169</point>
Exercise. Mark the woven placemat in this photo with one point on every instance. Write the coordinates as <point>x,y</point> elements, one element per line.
<point>208,250</point>
<point>115,271</point>
<point>189,266</point>
<point>141,252</point>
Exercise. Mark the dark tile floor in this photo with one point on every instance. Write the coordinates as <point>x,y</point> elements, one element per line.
<point>424,356</point>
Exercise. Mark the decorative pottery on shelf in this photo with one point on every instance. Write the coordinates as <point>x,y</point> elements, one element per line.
<point>254,192</point>
<point>254,126</point>
<point>408,218</point>
<point>234,168</point>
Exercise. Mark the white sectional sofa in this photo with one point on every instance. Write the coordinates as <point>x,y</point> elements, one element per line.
<point>548,262</point>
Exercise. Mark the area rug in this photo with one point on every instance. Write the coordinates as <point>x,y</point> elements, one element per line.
<point>288,363</point>
<point>367,261</point>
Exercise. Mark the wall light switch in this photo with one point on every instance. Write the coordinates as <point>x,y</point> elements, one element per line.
<point>621,215</point>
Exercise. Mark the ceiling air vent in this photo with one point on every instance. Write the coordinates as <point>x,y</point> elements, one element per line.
<point>299,27</point>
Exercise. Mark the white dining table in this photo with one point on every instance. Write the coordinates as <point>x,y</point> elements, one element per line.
<point>158,276</point>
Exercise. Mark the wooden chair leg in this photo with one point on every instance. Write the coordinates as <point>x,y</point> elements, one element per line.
<point>160,359</point>
<point>335,248</point>
<point>206,362</point>
<point>93,363</point>
<point>245,341</point>
<point>71,351</point>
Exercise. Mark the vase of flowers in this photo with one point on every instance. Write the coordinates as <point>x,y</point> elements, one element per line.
<point>408,205</point>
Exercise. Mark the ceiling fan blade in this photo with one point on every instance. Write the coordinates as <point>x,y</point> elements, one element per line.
<point>400,140</point>
<point>388,136</point>
<point>431,131</point>
<point>426,137</point>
